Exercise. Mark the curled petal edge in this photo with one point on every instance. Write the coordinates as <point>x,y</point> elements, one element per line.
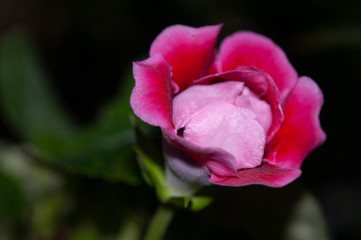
<point>189,51</point>
<point>151,98</point>
<point>248,48</point>
<point>301,131</point>
<point>266,174</point>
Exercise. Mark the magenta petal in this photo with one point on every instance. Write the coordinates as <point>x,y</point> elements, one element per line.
<point>251,49</point>
<point>301,131</point>
<point>261,84</point>
<point>189,51</point>
<point>266,174</point>
<point>216,160</point>
<point>151,98</point>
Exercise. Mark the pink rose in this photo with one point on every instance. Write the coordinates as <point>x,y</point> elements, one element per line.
<point>237,117</point>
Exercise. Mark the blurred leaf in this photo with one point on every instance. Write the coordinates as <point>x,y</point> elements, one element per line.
<point>42,189</point>
<point>47,212</point>
<point>132,226</point>
<point>103,154</point>
<point>4,235</point>
<point>27,101</point>
<point>36,180</point>
<point>12,200</point>
<point>86,232</point>
<point>101,150</point>
<point>307,221</point>
<point>104,149</point>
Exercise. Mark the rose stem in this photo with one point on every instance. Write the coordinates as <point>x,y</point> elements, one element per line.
<point>159,223</point>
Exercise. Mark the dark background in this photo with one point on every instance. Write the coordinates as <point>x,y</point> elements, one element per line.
<point>87,46</point>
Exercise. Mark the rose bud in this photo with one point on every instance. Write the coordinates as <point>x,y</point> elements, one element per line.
<point>241,116</point>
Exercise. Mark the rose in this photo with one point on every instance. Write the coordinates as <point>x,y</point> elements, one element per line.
<point>239,117</point>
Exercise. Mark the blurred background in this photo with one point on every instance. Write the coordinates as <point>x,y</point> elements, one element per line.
<point>67,167</point>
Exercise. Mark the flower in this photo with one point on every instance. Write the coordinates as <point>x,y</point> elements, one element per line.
<point>237,117</point>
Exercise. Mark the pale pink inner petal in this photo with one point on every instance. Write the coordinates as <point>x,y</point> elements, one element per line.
<point>233,129</point>
<point>259,83</point>
<point>196,97</point>
<point>262,109</point>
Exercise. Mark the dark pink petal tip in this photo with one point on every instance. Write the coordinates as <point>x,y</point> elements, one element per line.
<point>151,98</point>
<point>189,51</point>
<point>301,131</point>
<point>266,174</point>
<point>252,49</point>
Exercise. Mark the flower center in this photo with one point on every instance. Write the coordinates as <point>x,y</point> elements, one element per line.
<point>225,115</point>
<point>231,128</point>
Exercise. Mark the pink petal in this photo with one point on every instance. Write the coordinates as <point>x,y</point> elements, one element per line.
<point>261,84</point>
<point>189,51</point>
<point>251,49</point>
<point>217,160</point>
<point>196,97</point>
<point>266,174</point>
<point>260,107</point>
<point>151,98</point>
<point>301,131</point>
<point>233,129</point>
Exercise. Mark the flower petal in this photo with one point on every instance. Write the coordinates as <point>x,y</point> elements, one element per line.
<point>260,107</point>
<point>251,49</point>
<point>266,174</point>
<point>231,128</point>
<point>261,84</point>
<point>216,160</point>
<point>189,51</point>
<point>301,131</point>
<point>151,98</point>
<point>196,97</point>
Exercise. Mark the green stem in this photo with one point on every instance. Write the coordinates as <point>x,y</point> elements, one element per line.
<point>159,223</point>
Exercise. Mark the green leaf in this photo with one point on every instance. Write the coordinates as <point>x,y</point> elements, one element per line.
<point>29,105</point>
